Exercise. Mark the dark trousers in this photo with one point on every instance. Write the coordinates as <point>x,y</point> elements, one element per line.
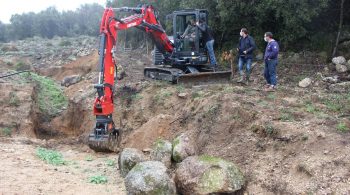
<point>270,72</point>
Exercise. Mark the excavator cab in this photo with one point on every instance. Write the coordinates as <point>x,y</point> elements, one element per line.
<point>189,47</point>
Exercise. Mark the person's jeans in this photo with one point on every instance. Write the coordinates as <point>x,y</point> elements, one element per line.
<point>210,47</point>
<point>270,72</point>
<point>241,62</point>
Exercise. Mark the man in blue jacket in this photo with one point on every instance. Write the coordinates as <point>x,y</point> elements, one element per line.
<point>245,48</point>
<point>271,60</point>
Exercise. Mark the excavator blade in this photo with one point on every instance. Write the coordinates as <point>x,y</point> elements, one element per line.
<point>104,143</point>
<point>205,77</point>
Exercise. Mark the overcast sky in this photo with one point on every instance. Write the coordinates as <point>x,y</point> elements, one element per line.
<point>10,7</point>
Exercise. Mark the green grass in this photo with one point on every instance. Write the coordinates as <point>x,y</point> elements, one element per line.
<point>162,95</point>
<point>195,95</point>
<point>180,88</point>
<point>50,156</point>
<point>51,98</point>
<point>310,108</point>
<point>89,158</point>
<point>98,179</point>
<point>342,127</point>
<point>13,99</point>
<point>286,115</point>
<point>6,131</point>
<point>110,162</point>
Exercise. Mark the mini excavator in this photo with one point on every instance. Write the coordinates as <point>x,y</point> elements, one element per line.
<point>175,59</point>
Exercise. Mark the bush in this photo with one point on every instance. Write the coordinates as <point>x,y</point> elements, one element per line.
<point>50,156</point>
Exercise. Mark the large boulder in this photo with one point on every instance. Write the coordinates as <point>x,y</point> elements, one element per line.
<point>149,177</point>
<point>208,175</point>
<point>339,60</point>
<point>305,82</point>
<point>343,87</point>
<point>128,158</point>
<point>341,68</point>
<point>162,152</point>
<point>182,148</point>
<point>70,80</point>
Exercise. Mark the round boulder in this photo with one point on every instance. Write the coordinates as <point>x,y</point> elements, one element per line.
<point>305,82</point>
<point>128,158</point>
<point>339,60</point>
<point>162,152</point>
<point>208,175</point>
<point>70,80</point>
<point>182,148</point>
<point>149,177</point>
<point>341,68</point>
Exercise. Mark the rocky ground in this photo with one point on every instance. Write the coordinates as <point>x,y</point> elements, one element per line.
<point>292,141</point>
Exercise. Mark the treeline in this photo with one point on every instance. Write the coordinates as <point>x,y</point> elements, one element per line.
<point>311,24</point>
<point>50,22</point>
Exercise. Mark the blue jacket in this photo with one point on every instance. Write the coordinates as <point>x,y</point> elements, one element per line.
<point>271,51</point>
<point>246,44</point>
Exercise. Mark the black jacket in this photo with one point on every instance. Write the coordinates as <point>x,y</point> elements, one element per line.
<point>206,31</point>
<point>246,44</point>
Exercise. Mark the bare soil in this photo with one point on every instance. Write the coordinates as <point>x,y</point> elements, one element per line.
<point>292,141</point>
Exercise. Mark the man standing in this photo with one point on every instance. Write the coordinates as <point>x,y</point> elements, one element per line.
<point>271,59</point>
<point>245,48</point>
<point>209,42</point>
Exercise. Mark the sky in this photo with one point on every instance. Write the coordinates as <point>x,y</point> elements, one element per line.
<point>10,7</point>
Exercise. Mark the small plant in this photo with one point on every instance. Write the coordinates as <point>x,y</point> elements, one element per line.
<point>305,137</point>
<point>342,127</point>
<point>180,88</point>
<point>161,96</point>
<point>110,162</point>
<point>136,96</point>
<point>271,96</point>
<point>50,156</point>
<point>310,108</point>
<point>98,179</point>
<point>13,99</point>
<point>286,115</point>
<point>196,95</point>
<point>65,43</point>
<point>89,158</point>
<point>21,66</point>
<point>7,131</point>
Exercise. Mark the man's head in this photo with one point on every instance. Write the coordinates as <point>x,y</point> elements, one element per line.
<point>243,32</point>
<point>192,22</point>
<point>268,36</point>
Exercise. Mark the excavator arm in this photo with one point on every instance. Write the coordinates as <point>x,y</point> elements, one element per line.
<point>105,136</point>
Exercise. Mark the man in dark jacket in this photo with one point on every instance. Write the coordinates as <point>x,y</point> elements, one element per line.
<point>271,59</point>
<point>245,48</point>
<point>209,42</point>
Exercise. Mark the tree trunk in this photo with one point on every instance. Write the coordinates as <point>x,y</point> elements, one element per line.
<point>340,28</point>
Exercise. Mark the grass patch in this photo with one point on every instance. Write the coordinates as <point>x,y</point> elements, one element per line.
<point>162,95</point>
<point>196,94</point>
<point>180,88</point>
<point>209,159</point>
<point>21,66</point>
<point>286,115</point>
<point>50,156</point>
<point>51,98</point>
<point>310,107</point>
<point>98,179</point>
<point>342,127</point>
<point>339,103</point>
<point>89,158</point>
<point>6,131</point>
<point>13,99</point>
<point>110,162</point>
<point>64,43</point>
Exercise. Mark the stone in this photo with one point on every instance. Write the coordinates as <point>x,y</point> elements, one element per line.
<point>70,80</point>
<point>343,87</point>
<point>305,82</point>
<point>182,148</point>
<point>339,60</point>
<point>128,158</point>
<point>162,152</point>
<point>208,175</point>
<point>341,68</point>
<point>149,177</point>
<point>333,80</point>
<point>182,95</point>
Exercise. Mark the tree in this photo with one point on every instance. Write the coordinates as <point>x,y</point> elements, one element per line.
<point>340,27</point>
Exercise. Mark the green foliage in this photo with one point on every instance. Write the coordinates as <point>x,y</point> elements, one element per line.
<point>342,127</point>
<point>13,99</point>
<point>50,156</point>
<point>51,98</point>
<point>98,179</point>
<point>64,43</point>
<point>110,162</point>
<point>6,131</point>
<point>162,95</point>
<point>89,158</point>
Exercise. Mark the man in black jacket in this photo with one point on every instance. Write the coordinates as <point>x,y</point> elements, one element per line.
<point>209,41</point>
<point>245,48</point>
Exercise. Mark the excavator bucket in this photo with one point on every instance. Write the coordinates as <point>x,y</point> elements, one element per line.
<point>205,77</point>
<point>105,143</point>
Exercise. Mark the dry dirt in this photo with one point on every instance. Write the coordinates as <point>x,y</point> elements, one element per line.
<point>287,142</point>
<point>22,172</point>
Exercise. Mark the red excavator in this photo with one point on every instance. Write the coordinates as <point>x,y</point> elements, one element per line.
<point>176,59</point>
